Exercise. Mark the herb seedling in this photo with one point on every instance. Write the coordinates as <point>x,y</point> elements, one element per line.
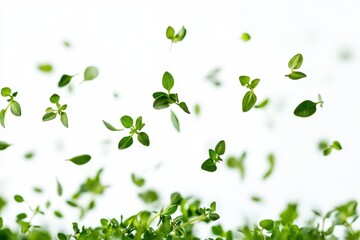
<point>136,128</point>
<point>14,105</point>
<point>214,157</point>
<point>327,149</point>
<point>295,63</point>
<point>249,98</point>
<point>179,36</point>
<point>52,113</point>
<point>307,107</point>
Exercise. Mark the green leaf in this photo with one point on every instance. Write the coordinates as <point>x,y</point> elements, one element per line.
<point>209,165</point>
<point>170,32</point>
<point>159,94</point>
<point>323,145</point>
<point>262,104</point>
<point>5,92</point>
<point>58,214</point>
<point>289,214</point>
<point>18,198</point>
<point>111,127</point>
<point>327,151</point>
<point>139,124</point>
<point>71,203</point>
<point>256,199</point>
<point>59,188</point>
<point>90,73</point>
<point>175,121</point>
<point>80,160</point>
<point>171,210</point>
<point>54,98</point>
<point>104,222</point>
<point>244,80</point>
<point>245,37</point>
<point>37,190</point>
<point>214,216</point>
<point>220,147</point>
<point>64,119</point>
<point>254,83</point>
<point>149,196</point>
<point>29,155</point>
<point>321,102</point>
<point>167,81</point>
<point>248,101</point>
<point>125,142</point>
<point>21,216</point>
<point>296,75</point>
<point>271,161</point>
<point>138,181</point>
<point>64,80</point>
<point>213,206</point>
<point>1,223</point>
<point>336,145</point>
<point>49,116</point>
<point>2,117</point>
<point>295,62</point>
<point>46,67</point>
<point>62,236</point>
<point>161,102</point>
<point>4,145</point>
<point>305,109</point>
<point>184,107</point>
<point>217,230</point>
<point>143,138</point>
<point>267,224</point>
<point>180,35</point>
<point>127,121</point>
<point>15,108</point>
<point>197,109</point>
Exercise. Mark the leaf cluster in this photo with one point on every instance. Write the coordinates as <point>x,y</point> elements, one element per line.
<point>15,107</point>
<point>60,110</point>
<point>327,149</point>
<point>295,63</point>
<point>249,98</point>
<point>214,157</point>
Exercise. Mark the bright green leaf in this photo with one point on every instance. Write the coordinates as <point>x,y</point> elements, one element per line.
<point>64,80</point>
<point>64,119</point>
<point>15,108</point>
<point>305,109</point>
<point>161,102</point>
<point>209,165</point>
<point>58,214</point>
<point>214,216</point>
<point>127,121</point>
<point>18,198</point>
<point>254,83</point>
<point>271,161</point>
<point>80,160</point>
<point>90,73</point>
<point>327,151</point>
<point>54,98</point>
<point>111,127</point>
<point>4,145</point>
<point>138,181</point>
<point>248,101</point>
<point>149,196</point>
<point>336,145</point>
<point>2,117</point>
<point>49,116</point>
<point>295,62</point>
<point>244,80</point>
<point>59,188</point>
<point>262,104</point>
<point>245,37</point>
<point>184,107</point>
<point>267,224</point>
<point>296,75</point>
<point>5,92</point>
<point>46,68</point>
<point>125,142</point>
<point>170,32</point>
<point>220,147</point>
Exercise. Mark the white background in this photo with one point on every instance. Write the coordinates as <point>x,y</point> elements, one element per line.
<point>126,41</point>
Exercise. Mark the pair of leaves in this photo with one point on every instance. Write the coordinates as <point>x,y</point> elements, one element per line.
<point>308,107</point>
<point>327,149</point>
<point>295,63</point>
<point>52,113</point>
<point>179,36</point>
<point>214,157</point>
<point>250,97</point>
<point>15,107</point>
<point>90,73</point>
<point>135,128</point>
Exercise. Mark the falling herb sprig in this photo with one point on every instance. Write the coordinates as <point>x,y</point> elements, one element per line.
<point>308,107</point>
<point>295,63</point>
<point>214,157</point>
<point>60,110</point>
<point>327,148</point>
<point>249,98</point>
<point>15,107</point>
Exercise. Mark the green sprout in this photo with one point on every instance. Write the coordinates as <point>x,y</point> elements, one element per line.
<point>60,110</point>
<point>179,36</point>
<point>327,149</point>
<point>249,98</point>
<point>214,157</point>
<point>14,105</point>
<point>295,63</point>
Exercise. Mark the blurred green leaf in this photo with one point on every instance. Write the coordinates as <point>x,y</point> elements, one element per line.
<point>80,160</point>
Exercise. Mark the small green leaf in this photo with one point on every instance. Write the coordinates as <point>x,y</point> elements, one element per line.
<point>138,123</point>
<point>175,121</point>
<point>336,145</point>
<point>5,92</point>
<point>245,37</point>
<point>217,230</point>
<point>256,199</point>
<point>1,223</point>
<point>4,145</point>
<point>64,80</point>
<point>271,161</point>
<point>170,32</point>
<point>138,181</point>
<point>71,203</point>
<point>90,73</point>
<point>38,190</point>
<point>295,62</point>
<point>248,101</point>
<point>244,80</point>
<point>58,214</point>
<point>80,160</point>
<point>267,224</point>
<point>184,107</point>
<point>214,216</point>
<point>262,104</point>
<point>180,35</point>
<point>15,108</point>
<point>220,147</point>
<point>171,210</point>
<point>161,102</point>
<point>197,109</point>
<point>159,94</point>
<point>104,222</point>
<point>29,155</point>
<point>149,196</point>
<point>54,98</point>
<point>254,83</point>
<point>327,151</point>
<point>49,116</point>
<point>62,236</point>
<point>2,117</point>
<point>305,109</point>
<point>167,81</point>
<point>296,75</point>
<point>323,145</point>
<point>46,67</point>
<point>143,138</point>
<point>59,188</point>
<point>64,119</point>
<point>125,142</point>
<point>111,127</point>
<point>127,121</point>
<point>213,206</point>
<point>21,216</point>
<point>18,198</point>
<point>321,102</point>
<point>209,165</point>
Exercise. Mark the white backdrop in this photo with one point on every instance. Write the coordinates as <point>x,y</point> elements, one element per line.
<point>126,41</point>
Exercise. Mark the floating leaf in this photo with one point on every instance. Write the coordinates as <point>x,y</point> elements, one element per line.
<point>220,147</point>
<point>127,121</point>
<point>90,73</point>
<point>245,37</point>
<point>305,109</point>
<point>175,121</point>
<point>59,188</point>
<point>5,92</point>
<point>4,145</point>
<point>29,155</point>
<point>46,67</point>
<point>49,116</point>
<point>254,83</point>
<point>110,127</point>
<point>58,214</point>
<point>125,142</point>
<point>296,75</point>
<point>197,109</point>
<point>248,101</point>
<point>209,165</point>
<point>184,107</point>
<point>271,161</point>
<point>2,117</point>
<point>336,145</point>
<point>167,81</point>
<point>296,61</point>
<point>327,151</point>
<point>18,198</point>
<point>180,35</point>
<point>64,80</point>
<point>80,160</point>
<point>138,181</point>
<point>170,32</point>
<point>262,104</point>
<point>256,199</point>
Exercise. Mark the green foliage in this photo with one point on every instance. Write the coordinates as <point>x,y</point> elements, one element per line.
<point>4,145</point>
<point>134,127</point>
<point>175,121</point>
<point>80,160</point>
<point>59,188</point>
<point>45,67</point>
<point>271,160</point>
<point>213,77</point>
<point>307,107</point>
<point>237,163</point>
<point>249,98</point>
<point>295,63</point>
<point>91,73</point>
<point>179,36</point>
<point>15,107</point>
<point>245,37</point>
<point>214,157</point>
<point>60,110</point>
<point>138,181</point>
<point>327,149</point>
<point>262,104</point>
<point>65,80</point>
